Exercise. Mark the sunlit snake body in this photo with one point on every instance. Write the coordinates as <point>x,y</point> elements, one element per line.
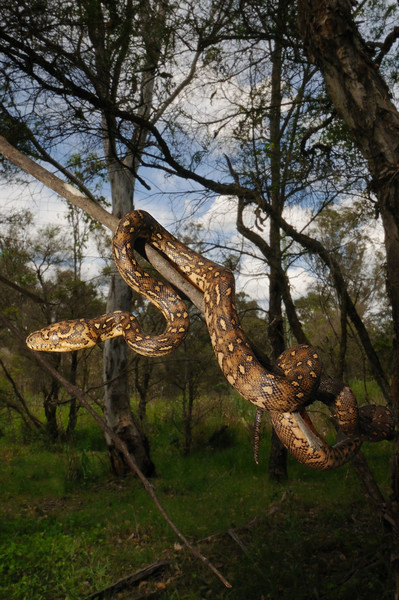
<point>284,396</point>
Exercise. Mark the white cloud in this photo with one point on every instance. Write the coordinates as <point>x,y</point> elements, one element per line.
<point>220,216</point>
<point>298,216</point>
<point>218,220</point>
<point>300,281</point>
<point>45,205</point>
<point>48,209</point>
<point>253,279</point>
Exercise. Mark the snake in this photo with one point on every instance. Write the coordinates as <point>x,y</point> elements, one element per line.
<point>284,394</point>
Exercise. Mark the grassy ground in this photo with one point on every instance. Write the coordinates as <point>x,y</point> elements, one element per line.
<point>68,528</point>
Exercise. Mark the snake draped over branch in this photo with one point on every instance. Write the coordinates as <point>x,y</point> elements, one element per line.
<point>284,395</point>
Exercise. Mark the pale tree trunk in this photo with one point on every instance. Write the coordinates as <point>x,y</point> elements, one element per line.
<point>117,413</point>
<point>362,99</point>
<point>123,175</point>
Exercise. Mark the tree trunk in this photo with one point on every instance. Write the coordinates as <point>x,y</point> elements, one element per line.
<point>117,411</point>
<point>188,403</point>
<point>142,372</point>
<point>343,343</point>
<point>73,405</point>
<point>50,410</point>
<point>123,175</point>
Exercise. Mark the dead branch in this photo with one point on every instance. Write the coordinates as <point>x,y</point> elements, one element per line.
<point>234,536</point>
<point>129,581</point>
<point>76,197</point>
<point>56,184</point>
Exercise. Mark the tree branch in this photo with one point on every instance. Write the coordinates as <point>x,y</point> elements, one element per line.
<point>38,424</point>
<point>21,290</point>
<point>387,45</point>
<point>56,184</point>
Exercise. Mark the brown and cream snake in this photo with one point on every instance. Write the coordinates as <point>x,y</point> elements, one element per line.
<point>284,396</point>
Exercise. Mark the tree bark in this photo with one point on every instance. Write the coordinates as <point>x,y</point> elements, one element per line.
<point>343,343</point>
<point>50,405</point>
<point>142,373</point>
<point>73,406</point>
<point>117,411</point>
<point>123,176</point>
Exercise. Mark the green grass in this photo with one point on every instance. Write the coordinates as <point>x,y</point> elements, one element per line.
<point>367,391</point>
<point>68,528</point>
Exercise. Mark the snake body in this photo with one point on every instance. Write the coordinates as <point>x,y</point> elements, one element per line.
<point>285,396</point>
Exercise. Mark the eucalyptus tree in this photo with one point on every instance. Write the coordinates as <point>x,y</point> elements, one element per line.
<point>352,68</point>
<point>86,78</point>
<point>285,146</point>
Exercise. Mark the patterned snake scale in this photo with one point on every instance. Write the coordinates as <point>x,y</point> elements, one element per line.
<point>284,396</point>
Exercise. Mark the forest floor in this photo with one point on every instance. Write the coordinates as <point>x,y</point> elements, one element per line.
<point>69,529</point>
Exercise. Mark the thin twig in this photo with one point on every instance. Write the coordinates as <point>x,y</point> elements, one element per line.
<point>38,424</point>
<point>238,541</point>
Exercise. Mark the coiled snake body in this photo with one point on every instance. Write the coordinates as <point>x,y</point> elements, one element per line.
<point>284,396</point>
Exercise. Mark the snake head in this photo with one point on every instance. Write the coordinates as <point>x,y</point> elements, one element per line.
<point>43,341</point>
<point>65,336</point>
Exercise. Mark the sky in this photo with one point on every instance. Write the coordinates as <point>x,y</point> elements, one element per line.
<point>212,102</point>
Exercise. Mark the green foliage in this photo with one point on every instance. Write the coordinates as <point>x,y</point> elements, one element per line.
<point>348,233</point>
<point>84,466</point>
<point>42,268</point>
<point>87,168</point>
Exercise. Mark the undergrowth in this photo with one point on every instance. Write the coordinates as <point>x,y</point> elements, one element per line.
<point>68,528</point>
